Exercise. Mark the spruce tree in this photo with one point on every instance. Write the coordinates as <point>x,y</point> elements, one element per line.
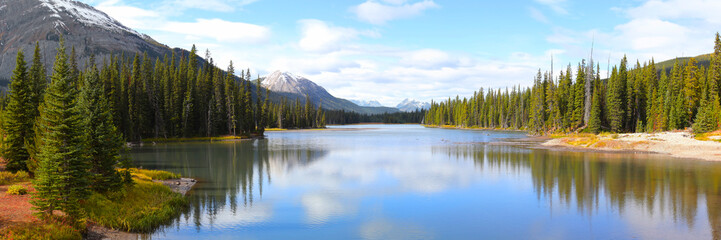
<point>103,140</point>
<point>594,122</point>
<point>617,98</point>
<point>19,118</point>
<point>62,177</point>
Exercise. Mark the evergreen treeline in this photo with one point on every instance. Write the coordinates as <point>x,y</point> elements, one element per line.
<point>343,117</point>
<point>68,132</point>
<point>178,97</point>
<point>637,98</point>
<point>295,114</point>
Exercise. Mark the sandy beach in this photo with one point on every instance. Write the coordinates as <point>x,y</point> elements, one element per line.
<point>680,144</point>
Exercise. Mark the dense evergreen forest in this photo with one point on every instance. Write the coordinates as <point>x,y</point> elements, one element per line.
<point>177,96</point>
<point>639,98</point>
<point>343,117</point>
<point>68,132</point>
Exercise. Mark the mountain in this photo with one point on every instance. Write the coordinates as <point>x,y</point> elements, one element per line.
<point>292,87</point>
<point>364,103</point>
<point>410,105</point>
<point>90,31</point>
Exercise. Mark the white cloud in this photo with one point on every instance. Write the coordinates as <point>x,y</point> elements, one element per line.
<point>311,65</point>
<point>428,58</point>
<point>706,10</point>
<point>220,30</point>
<point>318,36</point>
<point>645,34</point>
<point>208,5</point>
<point>557,6</point>
<point>378,13</point>
<point>538,15</point>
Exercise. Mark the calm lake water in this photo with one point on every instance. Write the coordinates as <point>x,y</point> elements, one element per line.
<point>410,182</point>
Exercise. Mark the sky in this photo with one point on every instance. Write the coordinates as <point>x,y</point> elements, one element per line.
<point>390,50</point>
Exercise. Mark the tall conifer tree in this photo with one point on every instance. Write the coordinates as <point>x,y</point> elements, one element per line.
<point>62,177</point>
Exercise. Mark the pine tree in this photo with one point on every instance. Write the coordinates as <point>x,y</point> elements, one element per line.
<point>579,96</point>
<point>38,80</point>
<point>62,177</point>
<point>617,98</point>
<point>103,140</point>
<point>19,118</point>
<point>707,119</point>
<point>594,122</point>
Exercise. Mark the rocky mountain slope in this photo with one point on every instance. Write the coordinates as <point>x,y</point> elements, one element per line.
<point>295,86</point>
<point>90,31</point>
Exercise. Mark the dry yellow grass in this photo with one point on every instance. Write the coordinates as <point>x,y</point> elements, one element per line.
<point>710,136</point>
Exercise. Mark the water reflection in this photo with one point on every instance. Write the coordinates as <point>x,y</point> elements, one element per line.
<point>414,186</point>
<point>663,187</point>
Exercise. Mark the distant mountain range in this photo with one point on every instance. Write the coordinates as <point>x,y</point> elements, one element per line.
<point>288,84</point>
<point>364,103</point>
<point>410,105</point>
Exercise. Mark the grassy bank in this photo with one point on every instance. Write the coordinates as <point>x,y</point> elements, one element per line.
<point>39,230</point>
<point>711,136</point>
<point>194,139</point>
<point>140,207</point>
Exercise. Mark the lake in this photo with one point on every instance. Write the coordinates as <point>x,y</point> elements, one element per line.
<point>410,182</point>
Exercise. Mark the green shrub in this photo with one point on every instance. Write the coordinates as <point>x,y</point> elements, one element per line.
<point>9,178</point>
<point>144,174</point>
<point>17,190</point>
<point>140,207</point>
<point>39,230</point>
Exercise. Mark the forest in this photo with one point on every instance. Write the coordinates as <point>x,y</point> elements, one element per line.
<point>634,98</point>
<point>343,117</point>
<point>68,132</point>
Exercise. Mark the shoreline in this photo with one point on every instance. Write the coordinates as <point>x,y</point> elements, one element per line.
<point>16,210</point>
<point>677,144</point>
<point>472,128</point>
<point>99,232</point>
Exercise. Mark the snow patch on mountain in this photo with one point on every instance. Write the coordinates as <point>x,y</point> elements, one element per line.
<point>84,14</point>
<point>369,103</point>
<point>288,82</point>
<point>410,105</point>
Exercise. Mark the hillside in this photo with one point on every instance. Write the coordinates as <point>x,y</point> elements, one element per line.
<point>90,31</point>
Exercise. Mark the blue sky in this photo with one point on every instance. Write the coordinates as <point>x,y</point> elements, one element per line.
<point>389,50</point>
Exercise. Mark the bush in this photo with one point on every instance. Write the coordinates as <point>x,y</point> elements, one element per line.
<point>39,230</point>
<point>148,175</point>
<point>17,190</point>
<point>9,178</point>
<point>140,207</point>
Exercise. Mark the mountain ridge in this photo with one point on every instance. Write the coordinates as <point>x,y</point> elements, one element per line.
<point>295,86</point>
<point>90,31</point>
<point>410,105</point>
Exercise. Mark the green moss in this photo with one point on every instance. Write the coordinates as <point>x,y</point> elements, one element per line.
<point>140,207</point>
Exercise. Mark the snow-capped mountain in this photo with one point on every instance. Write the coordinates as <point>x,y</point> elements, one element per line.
<point>410,105</point>
<point>294,86</point>
<point>83,13</point>
<point>369,103</point>
<point>89,30</point>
